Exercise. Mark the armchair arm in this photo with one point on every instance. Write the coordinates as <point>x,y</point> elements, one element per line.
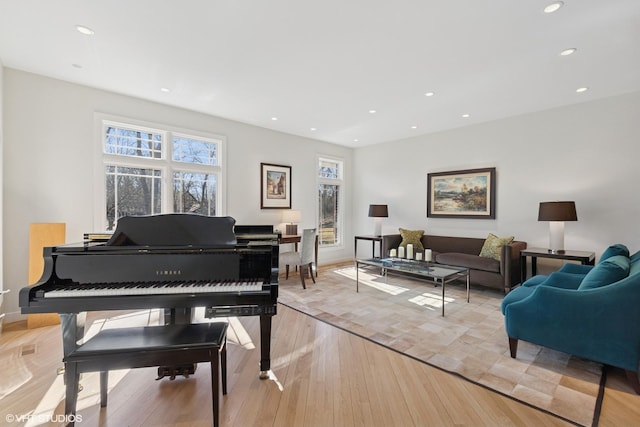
<point>559,279</point>
<point>575,268</point>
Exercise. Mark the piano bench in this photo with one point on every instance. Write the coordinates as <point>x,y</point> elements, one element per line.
<point>148,346</point>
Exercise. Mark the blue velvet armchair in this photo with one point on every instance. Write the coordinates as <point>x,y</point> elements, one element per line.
<point>589,312</point>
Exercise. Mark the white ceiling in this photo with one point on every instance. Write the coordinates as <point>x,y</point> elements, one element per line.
<point>325,64</point>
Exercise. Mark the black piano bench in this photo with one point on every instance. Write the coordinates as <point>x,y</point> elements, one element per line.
<point>148,346</point>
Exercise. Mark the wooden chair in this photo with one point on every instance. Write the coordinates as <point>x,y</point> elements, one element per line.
<point>302,258</point>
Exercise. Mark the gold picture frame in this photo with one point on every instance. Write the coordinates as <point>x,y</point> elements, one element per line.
<point>467,194</point>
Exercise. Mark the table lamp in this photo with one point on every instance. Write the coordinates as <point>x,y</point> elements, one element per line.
<point>378,212</point>
<point>557,213</point>
<point>292,217</point>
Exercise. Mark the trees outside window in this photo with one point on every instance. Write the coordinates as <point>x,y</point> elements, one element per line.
<point>149,171</point>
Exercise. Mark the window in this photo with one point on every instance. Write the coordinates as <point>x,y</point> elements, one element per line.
<point>329,201</point>
<point>149,171</point>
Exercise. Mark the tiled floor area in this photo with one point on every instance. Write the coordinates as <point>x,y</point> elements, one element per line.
<point>405,314</point>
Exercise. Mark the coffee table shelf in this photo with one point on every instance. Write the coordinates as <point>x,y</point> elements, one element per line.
<point>435,273</point>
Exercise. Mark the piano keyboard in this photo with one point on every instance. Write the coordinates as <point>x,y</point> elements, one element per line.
<point>126,289</point>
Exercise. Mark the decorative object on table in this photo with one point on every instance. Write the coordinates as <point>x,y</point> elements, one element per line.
<point>292,218</point>
<point>378,212</point>
<point>410,251</point>
<point>400,251</point>
<point>413,237</point>
<point>428,255</point>
<point>275,186</point>
<point>462,194</point>
<point>393,253</point>
<point>557,213</point>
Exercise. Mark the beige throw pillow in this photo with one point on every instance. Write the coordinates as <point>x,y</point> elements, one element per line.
<point>493,246</point>
<point>412,237</point>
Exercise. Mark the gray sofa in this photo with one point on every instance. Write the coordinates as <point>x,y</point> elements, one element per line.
<point>464,251</point>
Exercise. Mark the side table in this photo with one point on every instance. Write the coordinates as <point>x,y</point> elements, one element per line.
<point>586,258</point>
<point>372,239</point>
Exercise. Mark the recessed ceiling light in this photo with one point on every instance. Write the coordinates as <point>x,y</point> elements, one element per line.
<point>429,94</point>
<point>568,52</point>
<point>582,89</point>
<point>85,30</point>
<point>372,111</point>
<point>165,89</point>
<point>550,8</point>
<point>356,140</point>
<point>274,118</point>
<point>313,129</point>
<point>465,115</point>
<point>414,127</point>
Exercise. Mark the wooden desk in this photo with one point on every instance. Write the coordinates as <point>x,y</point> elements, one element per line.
<point>295,239</point>
<point>586,258</point>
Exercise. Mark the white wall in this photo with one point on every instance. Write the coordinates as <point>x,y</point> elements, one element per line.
<point>587,152</point>
<point>48,164</point>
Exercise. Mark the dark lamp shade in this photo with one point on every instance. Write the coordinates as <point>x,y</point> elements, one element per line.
<point>557,211</point>
<point>378,211</point>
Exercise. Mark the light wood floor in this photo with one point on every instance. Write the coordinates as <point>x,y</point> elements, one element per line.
<point>321,376</point>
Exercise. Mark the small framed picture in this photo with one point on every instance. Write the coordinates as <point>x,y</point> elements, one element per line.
<point>275,186</point>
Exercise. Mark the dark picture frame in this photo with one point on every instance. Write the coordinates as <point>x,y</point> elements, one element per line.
<point>469,194</point>
<point>275,186</point>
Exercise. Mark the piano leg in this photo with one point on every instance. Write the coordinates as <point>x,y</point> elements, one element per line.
<point>72,325</point>
<point>71,390</point>
<point>178,316</point>
<point>265,346</point>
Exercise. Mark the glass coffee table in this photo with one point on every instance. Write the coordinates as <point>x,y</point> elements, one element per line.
<point>435,273</point>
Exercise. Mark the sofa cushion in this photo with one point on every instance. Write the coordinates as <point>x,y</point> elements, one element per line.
<point>606,272</point>
<point>613,250</point>
<point>493,246</point>
<point>413,237</point>
<point>470,261</point>
<point>635,257</point>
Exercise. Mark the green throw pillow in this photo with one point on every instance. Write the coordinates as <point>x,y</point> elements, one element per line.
<point>493,246</point>
<point>412,237</point>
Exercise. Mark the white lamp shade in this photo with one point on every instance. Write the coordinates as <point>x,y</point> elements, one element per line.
<point>291,216</point>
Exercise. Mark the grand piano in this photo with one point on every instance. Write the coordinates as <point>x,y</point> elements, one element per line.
<point>174,262</point>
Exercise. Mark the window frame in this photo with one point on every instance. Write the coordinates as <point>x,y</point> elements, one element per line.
<point>340,182</point>
<point>165,163</point>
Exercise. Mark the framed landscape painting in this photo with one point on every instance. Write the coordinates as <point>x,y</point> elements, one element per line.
<point>275,186</point>
<point>462,194</point>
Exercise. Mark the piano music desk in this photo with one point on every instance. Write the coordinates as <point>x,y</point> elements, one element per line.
<point>148,346</point>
